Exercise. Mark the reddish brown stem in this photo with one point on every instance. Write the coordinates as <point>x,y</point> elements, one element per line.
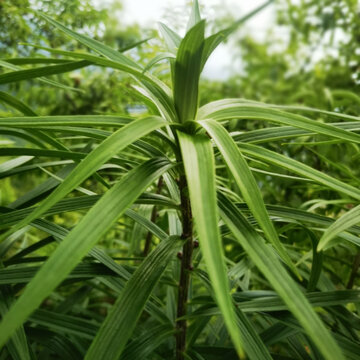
<point>185,270</point>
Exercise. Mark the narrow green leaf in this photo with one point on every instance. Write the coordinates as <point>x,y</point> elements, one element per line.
<point>158,90</point>
<point>317,262</point>
<point>134,45</point>
<point>144,345</point>
<point>172,39</point>
<point>25,273</point>
<point>253,345</point>
<point>200,173</point>
<point>33,61</point>
<point>22,107</point>
<point>283,132</point>
<point>65,323</point>
<point>17,345</point>
<point>247,185</point>
<point>187,73</point>
<point>267,262</point>
<point>43,80</point>
<point>11,216</point>
<point>194,15</point>
<point>92,44</point>
<point>67,120</point>
<point>237,109</point>
<point>16,104</point>
<point>14,163</point>
<point>269,301</point>
<point>33,73</point>
<point>158,58</point>
<point>299,168</point>
<point>23,134</point>
<point>112,145</point>
<point>80,241</point>
<point>128,307</point>
<point>346,221</point>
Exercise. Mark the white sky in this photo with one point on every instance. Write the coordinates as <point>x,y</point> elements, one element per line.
<point>148,12</point>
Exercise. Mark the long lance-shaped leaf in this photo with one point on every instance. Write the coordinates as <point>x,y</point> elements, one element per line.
<point>317,262</point>
<point>200,174</point>
<point>80,241</point>
<point>187,73</point>
<point>247,185</point>
<point>93,44</point>
<point>254,347</point>
<point>65,120</point>
<point>303,109</point>
<point>22,134</point>
<point>309,110</point>
<point>267,262</point>
<point>271,302</point>
<point>235,109</point>
<point>146,343</point>
<point>171,38</point>
<point>283,213</point>
<point>283,132</point>
<point>43,80</point>
<point>128,307</point>
<point>32,61</point>
<point>195,16</point>
<point>26,110</point>
<point>160,93</point>
<point>41,152</point>
<point>158,58</point>
<point>11,216</point>
<point>27,74</point>
<point>14,163</point>
<point>17,345</point>
<point>164,98</point>
<point>299,168</point>
<point>112,145</point>
<point>346,221</point>
<point>16,104</point>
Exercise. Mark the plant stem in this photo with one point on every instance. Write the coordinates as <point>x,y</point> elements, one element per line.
<point>187,233</point>
<point>152,219</point>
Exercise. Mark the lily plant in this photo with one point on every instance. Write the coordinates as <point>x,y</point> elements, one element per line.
<point>178,152</point>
